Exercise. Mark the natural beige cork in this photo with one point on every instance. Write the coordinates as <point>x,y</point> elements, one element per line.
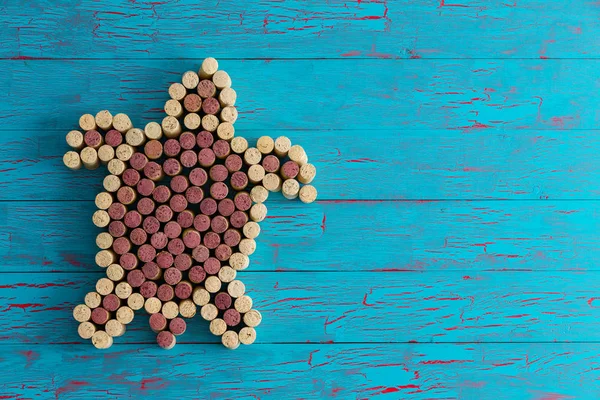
<point>106,153</point>
<point>122,123</point>
<point>221,79</point>
<point>252,318</point>
<point>192,121</point>
<point>236,289</point>
<point>173,108</point>
<point>239,145</point>
<point>258,212</point>
<point>307,173</point>
<point>297,154</point>
<point>116,166</point>
<point>171,127</point>
<point>190,80</point>
<point>227,97</point>
<point>259,194</point>
<point>256,173</point>
<point>104,120</point>
<point>230,340</point>
<point>104,240</point>
<point>125,315</point>
<point>75,140</point>
<point>102,340</point>
<point>93,300</point>
<point>252,156</point>
<point>104,286</point>
<point>111,183</point>
<point>239,261</point>
<point>210,123</point>
<point>72,160</point>
<point>212,284</point>
<point>272,182</point>
<point>87,122</point>
<point>170,310</point>
<point>82,313</point>
<point>282,146</point>
<point>89,158</point>
<point>187,308</point>
<point>308,194</point>
<point>229,114</point>
<point>265,144</point>
<point>247,246</point>
<point>135,137</point>
<point>200,296</point>
<point>251,230</point>
<point>208,68</point>
<point>227,274</point>
<point>243,304</point>
<point>86,330</point>
<point>153,130</point>
<point>114,328</point>
<point>290,189</point>
<point>115,272</point>
<point>226,131</point>
<point>101,218</point>
<point>217,327</point>
<point>209,312</point>
<point>247,335</point>
<point>123,290</point>
<point>153,305</point>
<point>135,301</point>
<point>124,152</point>
<point>177,91</point>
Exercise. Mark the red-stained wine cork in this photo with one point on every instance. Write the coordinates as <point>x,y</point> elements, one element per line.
<point>290,189</point>
<point>229,114</point>
<point>206,89</point>
<point>258,212</point>
<point>148,289</point>
<point>242,201</point>
<point>221,79</point>
<point>219,224</point>
<point>206,157</point>
<point>126,195</point>
<point>105,257</point>
<point>218,327</point>
<point>308,194</point>
<point>221,148</point>
<point>178,203</point>
<point>190,80</point>
<point>159,240</point>
<point>161,194</point>
<point>225,130</point>
<point>183,290</point>
<point>136,278</point>
<point>247,246</point>
<point>173,108</point>
<point>172,167</point>
<point>172,147</point>
<point>176,246</point>
<point>272,182</point>
<point>122,123</point>
<point>135,301</point>
<point>153,149</point>
<point>239,180</point>
<point>183,262</point>
<point>102,340</point>
<point>211,240</point>
<point>232,317</point>
<point>247,335</point>
<point>239,261</point>
<point>172,276</point>
<point>290,170</point>
<point>200,253</point>
<point>252,318</point>
<point>172,229</point>
<point>87,122</point>
<point>145,187</point>
<point>226,207</point>
<point>192,121</point>
<point>138,236</point>
<point>223,301</point>
<point>124,152</point>
<point>194,195</point>
<point>153,131</point>
<point>212,284</point>
<point>209,312</point>
<point>243,304</point>
<point>282,146</point>
<point>208,68</point>
<point>145,206</point>
<point>106,153</point>
<point>166,340</point>
<point>158,322</point>
<point>125,315</point>
<point>307,173</point>
<point>86,330</point>
<point>188,158</point>
<point>191,238</point>
<point>239,145</point>
<point>227,97</point>
<point>146,253</point>
<point>152,271</point>
<point>200,296</point>
<point>219,190</point>
<point>151,225</point>
<point>121,245</point>
<point>111,183</point>
<point>72,160</point>
<point>202,222</point>
<point>208,206</point>
<point>170,310</point>
<point>104,120</point>
<point>116,166</point>
<point>187,140</point>
<point>227,274</point>
<point>232,237</point>
<point>198,176</point>
<point>196,274</point>
<point>113,138</point>
<point>93,139</point>
<point>251,230</point>
<point>165,292</point>
<point>117,229</point>
<point>204,139</point>
<point>75,140</point>
<point>130,177</point>
<point>252,156</point>
<point>211,106</point>
<point>212,266</point>
<point>177,91</point>
<point>230,340</point>
<point>271,163</point>
<point>171,127</point>
<point>138,161</point>
<point>152,305</point>
<point>132,219</point>
<point>135,137</point>
<point>164,213</point>
<point>89,158</point>
<point>164,259</point>
<point>100,316</point>
<point>111,302</point>
<point>177,326</point>
<point>82,313</point>
<point>93,299</point>
<point>238,219</point>
<point>192,103</point>
<point>259,194</point>
<point>104,240</point>
<point>233,163</point>
<point>128,261</point>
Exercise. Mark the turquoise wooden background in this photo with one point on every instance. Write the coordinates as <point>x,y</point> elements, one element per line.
<point>452,254</point>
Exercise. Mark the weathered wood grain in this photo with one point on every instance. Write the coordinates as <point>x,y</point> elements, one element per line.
<point>465,95</point>
<point>310,371</point>
<point>274,29</point>
<point>466,236</point>
<point>396,307</point>
<point>397,164</point>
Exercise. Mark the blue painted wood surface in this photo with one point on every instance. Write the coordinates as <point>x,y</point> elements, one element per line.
<point>453,251</point>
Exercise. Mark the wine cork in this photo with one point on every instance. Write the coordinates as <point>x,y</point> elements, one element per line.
<point>153,171</point>
<point>72,160</point>
<point>132,219</point>
<point>102,340</point>
<point>308,194</point>
<point>126,195</point>
<point>145,187</point>
<point>259,194</point>
<point>123,290</point>
<point>135,301</point>
<point>138,236</point>
<point>236,288</point>
<point>135,136</point>
<point>252,156</point>
<point>229,114</point>
<point>124,152</point>
<point>153,149</point>
<point>238,219</point>
<point>223,301</point>
<point>230,340</point>
<point>114,328</point>
<point>188,158</point>
<point>192,103</point>
<point>223,252</point>
<point>161,194</point>
<point>173,108</point>
<point>282,146</point>
<point>219,190</point>
<point>115,272</point>
<point>86,330</point>
<point>307,173</point>
<point>206,88</point>
<point>243,304</point>
<point>172,276</point>
<point>100,316</point>
<point>104,286</point>
<point>209,312</point>
<point>148,289</point>
<point>239,145</point>
<point>290,189</point>
<point>252,318</point>
<point>75,140</point>
<point>178,203</point>
<point>172,167</point>
<point>251,230</point>
<point>221,79</point>
<point>289,170</point>
<point>208,206</point>
<point>82,313</point>
<point>153,130</point>
<point>221,148</point>
<point>166,340</point>
<point>104,120</point>
<point>272,182</point>
<point>271,163</point>
<point>177,91</point>
<point>183,262</point>
<point>111,183</point>
<point>190,80</point>
<point>239,261</point>
<point>171,127</point>
<point>211,106</point>
<point>227,274</point>
<point>130,176</point>
<point>226,207</point>
<point>196,274</point>
<point>151,225</point>
<point>152,305</point>
<point>128,261</point>
<point>113,138</point>
<point>256,173</point>
<point>265,144</point>
<point>93,139</point>
<point>177,326</point>
<point>227,97</point>
<point>192,121</point>
<point>122,123</point>
<point>194,195</point>
<point>87,122</point>
<point>212,266</point>
<point>247,246</point>
<point>232,317</point>
<point>211,240</point>
<point>158,322</point>
<point>116,166</point>
<point>111,302</point>
<point>125,315</point>
<point>93,300</point>
<point>152,271</point>
<point>164,259</point>
<point>89,158</point>
<point>170,310</point>
<point>105,257</point>
<point>225,131</point>
<point>258,212</point>
<point>212,284</point>
<point>187,308</point>
<point>217,327</point>
<point>210,123</point>
<point>106,153</point>
<point>247,335</point>
<point>296,153</point>
<point>208,68</point>
<point>200,296</point>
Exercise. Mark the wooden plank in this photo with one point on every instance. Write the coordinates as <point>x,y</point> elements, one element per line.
<point>346,307</point>
<point>466,95</point>
<point>466,236</point>
<point>430,164</point>
<point>310,371</point>
<point>273,29</point>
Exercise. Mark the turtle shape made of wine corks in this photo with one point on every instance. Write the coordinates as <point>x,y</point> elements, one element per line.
<point>181,209</point>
